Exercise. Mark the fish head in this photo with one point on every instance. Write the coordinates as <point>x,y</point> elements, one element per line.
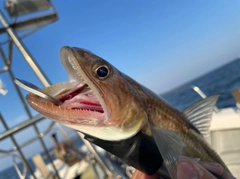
<point>98,99</point>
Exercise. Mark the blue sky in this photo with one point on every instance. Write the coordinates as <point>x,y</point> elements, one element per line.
<point>161,44</point>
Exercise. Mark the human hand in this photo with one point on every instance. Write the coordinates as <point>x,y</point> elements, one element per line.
<point>140,175</point>
<point>188,168</point>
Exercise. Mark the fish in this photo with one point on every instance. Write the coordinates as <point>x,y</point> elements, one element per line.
<point>101,101</point>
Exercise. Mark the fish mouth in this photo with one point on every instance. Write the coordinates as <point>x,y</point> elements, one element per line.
<point>81,100</point>
<point>80,97</point>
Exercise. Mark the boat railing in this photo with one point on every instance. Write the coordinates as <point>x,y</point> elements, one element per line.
<point>14,156</point>
<point>10,132</point>
<point>92,156</point>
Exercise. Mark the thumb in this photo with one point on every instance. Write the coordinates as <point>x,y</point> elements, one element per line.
<point>186,170</point>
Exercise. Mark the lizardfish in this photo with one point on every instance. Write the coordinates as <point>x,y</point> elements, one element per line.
<point>102,102</point>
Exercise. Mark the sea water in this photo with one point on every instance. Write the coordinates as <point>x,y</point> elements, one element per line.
<point>221,81</point>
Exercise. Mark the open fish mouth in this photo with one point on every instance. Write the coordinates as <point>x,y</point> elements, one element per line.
<point>80,103</point>
<point>80,98</point>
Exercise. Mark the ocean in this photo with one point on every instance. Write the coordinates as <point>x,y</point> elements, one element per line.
<point>220,81</point>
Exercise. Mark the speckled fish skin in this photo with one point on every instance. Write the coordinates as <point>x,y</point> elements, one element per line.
<point>128,108</point>
<point>162,115</point>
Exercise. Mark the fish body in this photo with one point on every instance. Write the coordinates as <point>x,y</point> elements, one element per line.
<point>101,101</point>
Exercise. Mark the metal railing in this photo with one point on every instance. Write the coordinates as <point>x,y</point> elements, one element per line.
<point>9,132</point>
<point>93,158</point>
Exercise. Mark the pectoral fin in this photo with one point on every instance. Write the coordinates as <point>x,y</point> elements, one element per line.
<point>170,146</point>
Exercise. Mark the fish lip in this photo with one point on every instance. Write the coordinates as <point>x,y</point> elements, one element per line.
<point>66,55</point>
<point>76,73</point>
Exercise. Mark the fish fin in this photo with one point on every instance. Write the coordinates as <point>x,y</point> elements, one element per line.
<point>170,145</point>
<point>200,113</point>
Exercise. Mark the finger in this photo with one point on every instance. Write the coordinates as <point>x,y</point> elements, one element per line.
<point>188,169</point>
<point>217,169</point>
<point>140,175</point>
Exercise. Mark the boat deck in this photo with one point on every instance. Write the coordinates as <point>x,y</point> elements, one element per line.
<point>224,138</point>
<point>64,170</point>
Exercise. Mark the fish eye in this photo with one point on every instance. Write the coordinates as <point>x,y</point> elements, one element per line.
<point>102,71</point>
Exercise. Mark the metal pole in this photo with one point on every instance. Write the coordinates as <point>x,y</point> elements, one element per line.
<point>17,147</point>
<point>24,51</point>
<point>21,126</point>
<point>97,157</point>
